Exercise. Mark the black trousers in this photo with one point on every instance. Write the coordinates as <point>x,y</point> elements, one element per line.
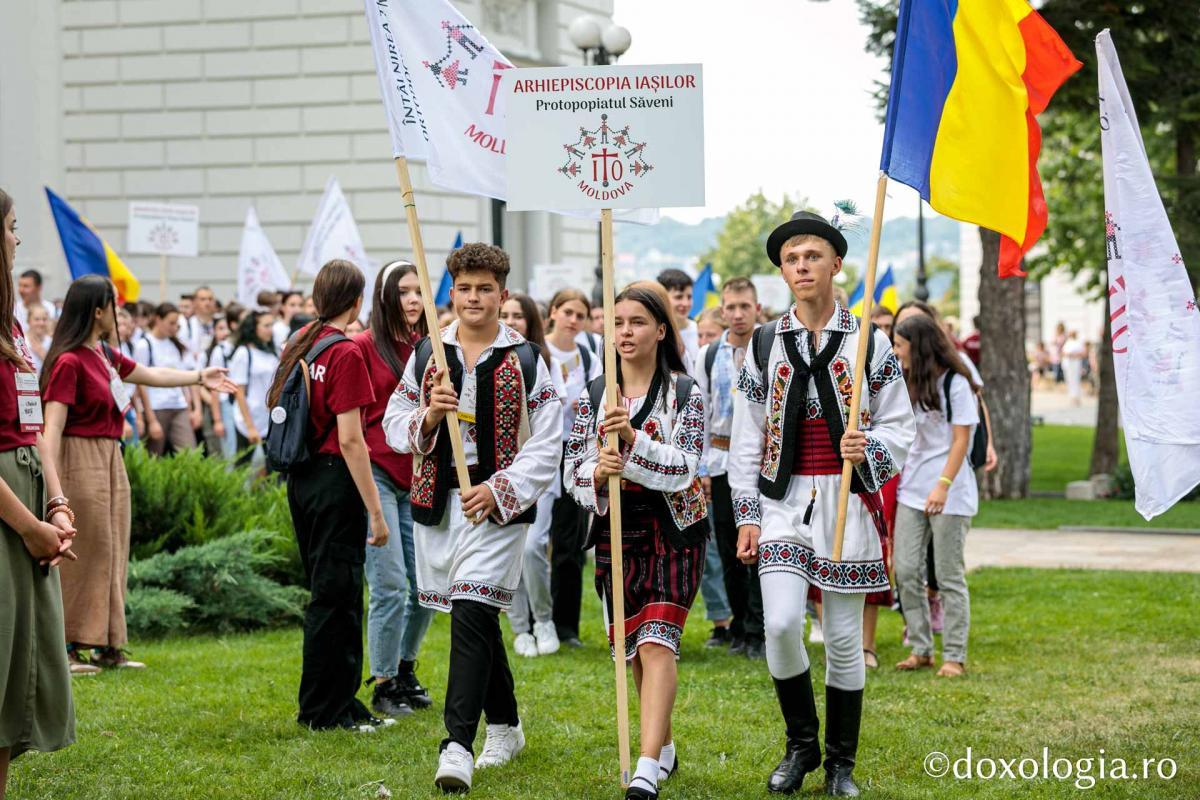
<point>741,580</point>
<point>479,680</point>
<point>568,532</point>
<point>331,529</point>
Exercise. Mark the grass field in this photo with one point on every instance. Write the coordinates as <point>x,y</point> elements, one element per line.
<point>1079,662</point>
<point>1061,454</point>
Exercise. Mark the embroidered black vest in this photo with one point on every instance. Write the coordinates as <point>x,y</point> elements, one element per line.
<point>500,406</point>
<point>817,369</point>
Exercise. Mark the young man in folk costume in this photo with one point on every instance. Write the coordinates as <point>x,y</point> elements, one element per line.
<point>789,439</point>
<point>716,372</point>
<point>510,416</point>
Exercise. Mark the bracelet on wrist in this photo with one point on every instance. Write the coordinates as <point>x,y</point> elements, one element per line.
<point>57,500</point>
<point>945,480</point>
<point>63,509</point>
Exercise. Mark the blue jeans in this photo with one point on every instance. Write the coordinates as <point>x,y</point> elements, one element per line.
<point>712,585</point>
<point>396,623</point>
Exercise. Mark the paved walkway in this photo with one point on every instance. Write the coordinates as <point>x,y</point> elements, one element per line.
<point>1055,408</point>
<point>1151,552</point>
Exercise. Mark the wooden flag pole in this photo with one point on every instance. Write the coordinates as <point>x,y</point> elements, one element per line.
<point>860,370</point>
<point>431,317</point>
<point>611,400</point>
<point>162,277</point>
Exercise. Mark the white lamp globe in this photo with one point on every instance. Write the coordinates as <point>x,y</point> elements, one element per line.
<point>585,32</point>
<point>616,39</point>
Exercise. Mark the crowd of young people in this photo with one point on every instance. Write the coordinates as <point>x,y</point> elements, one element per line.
<point>731,436</point>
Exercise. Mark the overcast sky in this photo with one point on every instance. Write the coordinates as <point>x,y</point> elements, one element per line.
<point>787,97</point>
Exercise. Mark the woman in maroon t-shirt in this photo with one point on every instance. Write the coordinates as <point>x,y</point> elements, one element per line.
<point>396,622</point>
<point>332,496</point>
<point>82,387</point>
<point>35,686</point>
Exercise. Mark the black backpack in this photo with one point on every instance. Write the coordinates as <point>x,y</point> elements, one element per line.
<point>977,454</point>
<point>764,337</point>
<point>683,388</point>
<point>286,445</point>
<point>528,354</point>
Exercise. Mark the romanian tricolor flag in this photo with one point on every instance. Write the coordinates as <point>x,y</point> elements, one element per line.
<point>87,253</point>
<point>968,79</point>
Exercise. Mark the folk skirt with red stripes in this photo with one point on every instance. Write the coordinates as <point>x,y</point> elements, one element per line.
<point>660,581</point>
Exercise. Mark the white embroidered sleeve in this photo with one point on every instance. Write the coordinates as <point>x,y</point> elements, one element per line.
<point>891,427</point>
<point>535,467</point>
<point>404,416</point>
<point>746,443</point>
<point>582,454</point>
<point>670,466</point>
<point>702,383</point>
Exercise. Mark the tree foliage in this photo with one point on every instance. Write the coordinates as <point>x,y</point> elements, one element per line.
<point>741,246</point>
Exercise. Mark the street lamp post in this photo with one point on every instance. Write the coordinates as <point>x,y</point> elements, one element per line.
<point>922,291</point>
<point>601,45</point>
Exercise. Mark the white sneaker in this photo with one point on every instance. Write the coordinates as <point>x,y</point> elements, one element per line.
<point>816,635</point>
<point>502,743</point>
<point>455,768</point>
<point>547,637</point>
<point>525,645</point>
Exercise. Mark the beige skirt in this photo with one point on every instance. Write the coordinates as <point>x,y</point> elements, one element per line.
<point>93,477</point>
<point>36,712</point>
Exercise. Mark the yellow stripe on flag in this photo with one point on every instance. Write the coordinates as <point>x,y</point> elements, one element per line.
<point>128,287</point>
<point>980,166</point>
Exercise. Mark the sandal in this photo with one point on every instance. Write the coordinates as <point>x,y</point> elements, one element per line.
<point>951,669</point>
<point>915,662</point>
<point>870,658</point>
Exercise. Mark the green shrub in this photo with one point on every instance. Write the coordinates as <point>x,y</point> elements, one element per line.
<point>1123,484</point>
<point>153,611</point>
<point>191,499</point>
<point>226,581</point>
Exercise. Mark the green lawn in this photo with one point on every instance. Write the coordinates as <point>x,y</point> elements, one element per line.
<point>1075,661</point>
<point>1061,454</point>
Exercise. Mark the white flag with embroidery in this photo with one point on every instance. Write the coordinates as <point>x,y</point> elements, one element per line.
<point>333,234</point>
<point>440,80</point>
<point>259,268</point>
<point>1155,321</point>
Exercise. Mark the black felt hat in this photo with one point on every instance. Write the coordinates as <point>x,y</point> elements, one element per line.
<point>805,222</point>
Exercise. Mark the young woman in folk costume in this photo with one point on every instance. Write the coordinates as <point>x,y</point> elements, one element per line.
<point>568,316</point>
<point>664,519</point>
<point>82,387</point>
<point>396,621</point>
<point>531,615</point>
<point>36,712</point>
<point>469,542</point>
<point>789,440</point>
<point>335,505</point>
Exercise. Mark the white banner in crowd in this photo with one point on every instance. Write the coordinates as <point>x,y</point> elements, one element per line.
<point>259,268</point>
<point>333,234</point>
<point>440,79</point>
<point>606,137</point>
<point>164,230</point>
<point>1155,321</point>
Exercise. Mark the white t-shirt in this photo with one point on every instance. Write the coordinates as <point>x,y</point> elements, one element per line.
<point>22,314</point>
<point>154,352</point>
<point>569,367</point>
<point>691,342</point>
<point>931,447</point>
<point>280,332</point>
<point>253,369</point>
<point>219,357</point>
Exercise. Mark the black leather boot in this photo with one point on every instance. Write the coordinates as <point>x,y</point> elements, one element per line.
<point>843,713</point>
<point>803,749</point>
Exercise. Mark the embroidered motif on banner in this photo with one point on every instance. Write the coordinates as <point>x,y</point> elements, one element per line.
<point>845,576</point>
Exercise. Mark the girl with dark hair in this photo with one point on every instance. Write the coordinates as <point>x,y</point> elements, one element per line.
<point>86,403</point>
<point>532,600</point>
<point>221,406</point>
<point>396,622</point>
<point>36,711</point>
<point>335,505</point>
<point>569,310</point>
<point>252,367</point>
<point>173,413</point>
<point>291,303</point>
<point>664,519</point>
<point>937,495</point>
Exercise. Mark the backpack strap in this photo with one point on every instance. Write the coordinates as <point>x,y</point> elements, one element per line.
<point>710,358</point>
<point>585,358</point>
<point>313,353</point>
<point>528,354</point>
<point>596,391</point>
<point>761,342</point>
<point>683,389</point>
<point>946,391</point>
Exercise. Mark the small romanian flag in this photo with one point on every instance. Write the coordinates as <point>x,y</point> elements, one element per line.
<point>87,253</point>
<point>968,79</point>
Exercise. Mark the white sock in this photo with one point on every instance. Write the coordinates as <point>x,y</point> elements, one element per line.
<point>647,771</point>
<point>666,760</point>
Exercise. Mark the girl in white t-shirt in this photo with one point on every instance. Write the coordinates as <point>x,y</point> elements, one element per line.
<point>174,412</point>
<point>938,495</point>
<point>221,406</point>
<point>37,335</point>
<point>252,367</point>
